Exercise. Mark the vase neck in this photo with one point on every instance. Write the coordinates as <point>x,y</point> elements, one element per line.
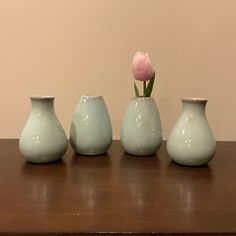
<point>42,104</point>
<point>194,106</point>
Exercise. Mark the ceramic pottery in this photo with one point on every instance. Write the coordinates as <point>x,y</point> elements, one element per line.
<point>43,139</point>
<point>191,141</point>
<point>91,131</point>
<point>141,132</point>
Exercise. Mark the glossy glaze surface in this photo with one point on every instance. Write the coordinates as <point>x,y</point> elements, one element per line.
<point>91,131</point>
<point>43,139</point>
<point>141,132</point>
<point>191,141</point>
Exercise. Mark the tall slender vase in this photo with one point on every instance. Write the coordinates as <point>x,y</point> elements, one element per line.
<point>191,141</point>
<point>43,139</point>
<point>91,131</point>
<point>141,132</point>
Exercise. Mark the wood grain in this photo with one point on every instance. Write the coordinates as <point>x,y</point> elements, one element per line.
<point>116,193</point>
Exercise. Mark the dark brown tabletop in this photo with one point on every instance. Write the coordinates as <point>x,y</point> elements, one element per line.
<point>116,193</point>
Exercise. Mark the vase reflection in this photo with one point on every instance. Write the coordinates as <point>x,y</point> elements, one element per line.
<point>135,178</point>
<point>187,186</point>
<point>91,175</point>
<point>44,184</point>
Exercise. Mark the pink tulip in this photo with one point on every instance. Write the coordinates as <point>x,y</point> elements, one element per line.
<point>141,67</point>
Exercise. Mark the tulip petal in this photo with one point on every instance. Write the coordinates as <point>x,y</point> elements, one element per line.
<point>141,67</point>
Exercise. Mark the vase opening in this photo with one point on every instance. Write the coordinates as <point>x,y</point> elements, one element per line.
<point>42,97</point>
<point>91,96</point>
<point>142,98</point>
<point>195,100</point>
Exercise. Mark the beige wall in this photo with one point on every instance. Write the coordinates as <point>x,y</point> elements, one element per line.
<point>67,48</point>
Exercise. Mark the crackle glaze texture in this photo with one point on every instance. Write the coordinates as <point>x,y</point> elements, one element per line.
<point>91,130</point>
<point>141,133</point>
<point>191,141</point>
<point>43,139</point>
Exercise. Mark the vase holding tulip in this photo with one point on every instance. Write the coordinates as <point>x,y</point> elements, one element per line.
<point>141,132</point>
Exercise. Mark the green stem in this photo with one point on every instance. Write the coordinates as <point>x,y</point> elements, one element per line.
<point>144,88</point>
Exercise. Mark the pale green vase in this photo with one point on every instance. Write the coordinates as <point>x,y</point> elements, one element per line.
<point>141,132</point>
<point>191,141</point>
<point>43,139</point>
<point>91,131</point>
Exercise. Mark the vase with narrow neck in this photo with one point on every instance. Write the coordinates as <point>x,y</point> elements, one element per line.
<point>91,130</point>
<point>191,141</point>
<point>43,139</point>
<point>141,132</point>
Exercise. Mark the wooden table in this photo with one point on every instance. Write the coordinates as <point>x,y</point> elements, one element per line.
<point>116,193</point>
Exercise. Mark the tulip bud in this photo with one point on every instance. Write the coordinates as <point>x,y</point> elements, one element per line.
<point>141,67</point>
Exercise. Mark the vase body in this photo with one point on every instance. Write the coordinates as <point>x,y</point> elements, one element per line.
<point>91,131</point>
<point>141,132</point>
<point>191,141</point>
<point>43,139</point>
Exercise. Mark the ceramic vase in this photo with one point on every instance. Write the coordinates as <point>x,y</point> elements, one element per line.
<point>91,131</point>
<point>191,141</point>
<point>43,139</point>
<point>141,132</point>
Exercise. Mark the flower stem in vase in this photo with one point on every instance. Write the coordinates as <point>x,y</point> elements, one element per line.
<point>144,88</point>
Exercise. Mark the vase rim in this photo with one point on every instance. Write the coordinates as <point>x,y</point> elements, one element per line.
<point>91,96</point>
<point>142,98</point>
<point>42,97</point>
<point>194,99</point>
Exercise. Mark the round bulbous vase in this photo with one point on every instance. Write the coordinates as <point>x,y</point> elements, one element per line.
<point>43,139</point>
<point>141,133</point>
<point>191,141</point>
<point>91,130</point>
